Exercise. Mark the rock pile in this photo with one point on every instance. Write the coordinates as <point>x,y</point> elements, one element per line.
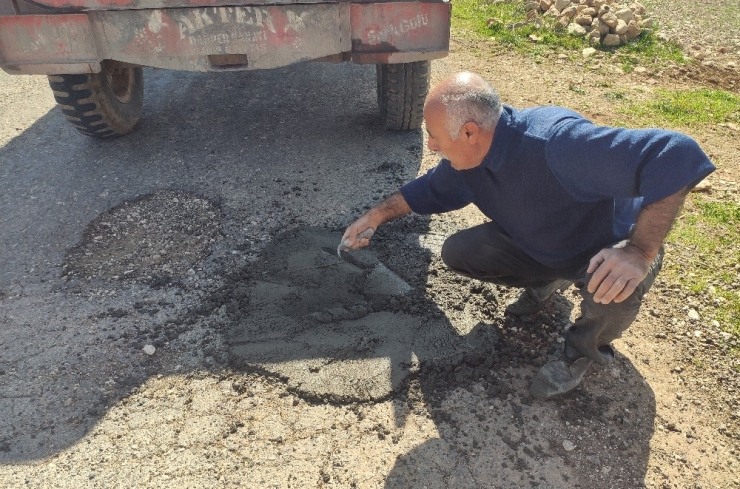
<point>605,22</point>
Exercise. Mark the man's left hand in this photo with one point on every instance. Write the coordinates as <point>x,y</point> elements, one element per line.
<point>616,273</point>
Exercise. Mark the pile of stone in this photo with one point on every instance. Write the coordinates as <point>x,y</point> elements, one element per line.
<point>605,22</point>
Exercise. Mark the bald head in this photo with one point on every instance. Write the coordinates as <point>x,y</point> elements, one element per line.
<point>466,97</point>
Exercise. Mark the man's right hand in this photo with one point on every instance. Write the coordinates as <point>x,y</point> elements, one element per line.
<point>358,234</point>
<point>391,208</point>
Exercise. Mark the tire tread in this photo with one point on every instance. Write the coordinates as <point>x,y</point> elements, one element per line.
<point>402,90</point>
<point>87,105</point>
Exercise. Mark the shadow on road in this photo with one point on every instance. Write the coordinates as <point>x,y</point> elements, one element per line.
<point>284,160</point>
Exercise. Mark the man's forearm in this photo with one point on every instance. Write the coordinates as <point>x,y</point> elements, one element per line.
<point>654,222</point>
<point>394,206</point>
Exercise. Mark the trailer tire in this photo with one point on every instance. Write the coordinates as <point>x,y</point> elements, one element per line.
<point>402,89</point>
<point>101,105</point>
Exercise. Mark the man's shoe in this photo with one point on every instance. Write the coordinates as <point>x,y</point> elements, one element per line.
<point>533,298</point>
<point>527,303</point>
<point>557,377</point>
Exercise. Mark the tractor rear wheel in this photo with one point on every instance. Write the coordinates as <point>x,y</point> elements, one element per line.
<point>101,105</point>
<point>402,89</point>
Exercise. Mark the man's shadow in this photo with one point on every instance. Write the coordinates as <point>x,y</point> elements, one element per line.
<point>492,433</point>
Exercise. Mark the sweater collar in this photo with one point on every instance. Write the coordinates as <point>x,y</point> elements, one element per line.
<point>502,141</point>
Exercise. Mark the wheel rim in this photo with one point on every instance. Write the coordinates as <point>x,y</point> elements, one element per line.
<point>121,80</point>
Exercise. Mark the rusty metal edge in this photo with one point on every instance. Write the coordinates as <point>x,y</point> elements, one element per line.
<point>71,6</point>
<point>52,69</point>
<point>396,58</point>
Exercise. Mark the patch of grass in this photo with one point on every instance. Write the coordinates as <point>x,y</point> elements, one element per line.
<point>685,108</point>
<point>506,22</point>
<point>721,213</point>
<point>577,89</point>
<point>706,253</point>
<point>698,363</point>
<point>646,50</point>
<point>615,96</point>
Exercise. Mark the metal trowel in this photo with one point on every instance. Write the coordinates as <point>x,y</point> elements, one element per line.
<point>342,247</point>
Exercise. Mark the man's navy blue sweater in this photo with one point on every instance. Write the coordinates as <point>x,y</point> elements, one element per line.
<point>561,186</point>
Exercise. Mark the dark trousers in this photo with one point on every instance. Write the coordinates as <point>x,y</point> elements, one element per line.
<point>486,253</point>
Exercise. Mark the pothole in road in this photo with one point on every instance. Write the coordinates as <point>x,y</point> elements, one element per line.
<point>346,331</point>
<point>153,239</point>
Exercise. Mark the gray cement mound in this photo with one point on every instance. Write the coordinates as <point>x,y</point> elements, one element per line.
<point>327,325</point>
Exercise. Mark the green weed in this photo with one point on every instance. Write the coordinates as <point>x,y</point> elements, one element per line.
<point>686,108</point>
<point>699,364</point>
<point>647,50</point>
<point>577,89</point>
<point>615,96</point>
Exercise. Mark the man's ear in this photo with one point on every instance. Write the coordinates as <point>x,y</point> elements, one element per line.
<point>470,130</point>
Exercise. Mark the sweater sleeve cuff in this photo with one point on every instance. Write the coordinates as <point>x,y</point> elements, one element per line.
<point>695,168</point>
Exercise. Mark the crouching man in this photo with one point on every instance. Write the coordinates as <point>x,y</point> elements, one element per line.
<point>569,202</point>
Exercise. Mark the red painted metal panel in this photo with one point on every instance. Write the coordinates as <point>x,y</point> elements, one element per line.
<point>400,27</point>
<point>191,39</point>
<point>157,4</point>
<point>39,39</point>
<point>217,38</point>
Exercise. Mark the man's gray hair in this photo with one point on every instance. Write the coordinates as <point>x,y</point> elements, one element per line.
<point>470,102</point>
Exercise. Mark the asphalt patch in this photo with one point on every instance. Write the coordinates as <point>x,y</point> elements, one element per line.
<point>153,239</point>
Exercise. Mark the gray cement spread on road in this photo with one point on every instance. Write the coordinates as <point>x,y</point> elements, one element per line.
<point>325,326</point>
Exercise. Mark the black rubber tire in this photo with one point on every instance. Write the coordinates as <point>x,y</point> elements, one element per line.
<point>402,89</point>
<point>101,105</point>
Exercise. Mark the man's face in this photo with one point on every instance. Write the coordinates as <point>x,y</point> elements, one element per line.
<point>456,150</point>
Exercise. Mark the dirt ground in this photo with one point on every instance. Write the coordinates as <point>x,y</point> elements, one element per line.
<point>191,336</point>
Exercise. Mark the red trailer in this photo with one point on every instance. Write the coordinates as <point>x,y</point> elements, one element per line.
<point>93,50</point>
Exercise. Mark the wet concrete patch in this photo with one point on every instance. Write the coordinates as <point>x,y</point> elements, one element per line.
<point>332,328</point>
<point>153,239</point>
